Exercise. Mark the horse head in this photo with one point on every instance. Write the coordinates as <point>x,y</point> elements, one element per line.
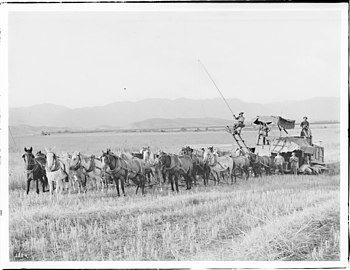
<point>109,160</point>
<point>51,160</point>
<point>75,161</point>
<point>146,153</point>
<point>28,158</point>
<point>28,150</point>
<point>183,151</point>
<point>209,157</point>
<point>253,157</point>
<point>104,160</point>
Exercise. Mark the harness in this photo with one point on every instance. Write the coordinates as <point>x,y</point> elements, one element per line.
<point>55,166</point>
<point>78,165</point>
<point>259,162</point>
<point>120,167</point>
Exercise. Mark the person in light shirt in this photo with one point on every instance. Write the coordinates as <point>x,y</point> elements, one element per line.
<point>294,163</point>
<point>279,160</point>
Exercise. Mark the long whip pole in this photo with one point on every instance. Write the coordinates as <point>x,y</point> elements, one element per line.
<point>14,142</point>
<point>228,106</point>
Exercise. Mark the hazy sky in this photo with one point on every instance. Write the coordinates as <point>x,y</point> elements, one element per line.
<point>81,59</point>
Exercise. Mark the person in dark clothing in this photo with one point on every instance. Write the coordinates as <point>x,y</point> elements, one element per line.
<point>305,125</point>
<point>305,129</point>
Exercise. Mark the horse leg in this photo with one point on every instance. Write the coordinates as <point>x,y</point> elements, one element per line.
<point>207,173</point>
<point>28,185</point>
<point>138,185</point>
<point>117,180</point>
<point>151,174</point>
<point>143,182</point>
<point>45,183</point>
<point>177,182</point>
<point>234,174</point>
<point>37,185</point>
<point>195,172</point>
<point>60,185</point>
<point>171,178</point>
<point>94,178</point>
<point>51,188</point>
<point>259,171</point>
<point>246,171</point>
<point>188,181</point>
<point>164,176</point>
<point>216,176</point>
<point>85,182</point>
<point>42,180</point>
<point>79,183</point>
<point>122,185</point>
<point>231,176</point>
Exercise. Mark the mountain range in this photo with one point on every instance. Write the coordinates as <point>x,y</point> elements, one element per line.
<point>163,113</point>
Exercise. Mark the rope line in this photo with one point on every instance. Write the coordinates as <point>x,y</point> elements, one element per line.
<point>215,85</point>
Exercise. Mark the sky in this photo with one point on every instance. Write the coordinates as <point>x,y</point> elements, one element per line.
<point>93,58</point>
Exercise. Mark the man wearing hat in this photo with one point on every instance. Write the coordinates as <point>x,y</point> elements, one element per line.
<point>305,124</point>
<point>305,129</point>
<point>239,124</point>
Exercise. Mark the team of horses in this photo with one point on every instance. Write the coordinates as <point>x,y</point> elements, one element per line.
<point>142,169</point>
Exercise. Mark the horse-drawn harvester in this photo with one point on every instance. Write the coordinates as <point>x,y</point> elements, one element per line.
<point>310,155</point>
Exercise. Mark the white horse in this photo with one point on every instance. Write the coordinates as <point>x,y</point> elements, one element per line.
<point>56,171</point>
<point>149,159</point>
<point>219,165</point>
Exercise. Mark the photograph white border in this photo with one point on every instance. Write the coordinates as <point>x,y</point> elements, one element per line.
<point>135,7</point>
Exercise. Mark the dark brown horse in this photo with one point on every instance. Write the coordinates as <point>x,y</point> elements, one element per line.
<point>255,162</point>
<point>122,169</point>
<point>35,169</point>
<point>177,166</point>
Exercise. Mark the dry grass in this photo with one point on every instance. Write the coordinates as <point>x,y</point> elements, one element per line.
<point>185,226</point>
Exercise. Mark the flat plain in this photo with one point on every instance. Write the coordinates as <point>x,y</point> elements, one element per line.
<point>267,218</point>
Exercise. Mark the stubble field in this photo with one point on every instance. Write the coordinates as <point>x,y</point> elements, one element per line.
<point>268,218</point>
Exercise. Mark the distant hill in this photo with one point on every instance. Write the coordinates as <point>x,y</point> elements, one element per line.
<point>133,114</point>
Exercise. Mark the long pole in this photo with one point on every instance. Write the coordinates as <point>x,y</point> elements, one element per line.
<point>14,142</point>
<point>215,85</point>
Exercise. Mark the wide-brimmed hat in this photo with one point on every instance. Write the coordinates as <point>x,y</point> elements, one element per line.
<point>305,117</point>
